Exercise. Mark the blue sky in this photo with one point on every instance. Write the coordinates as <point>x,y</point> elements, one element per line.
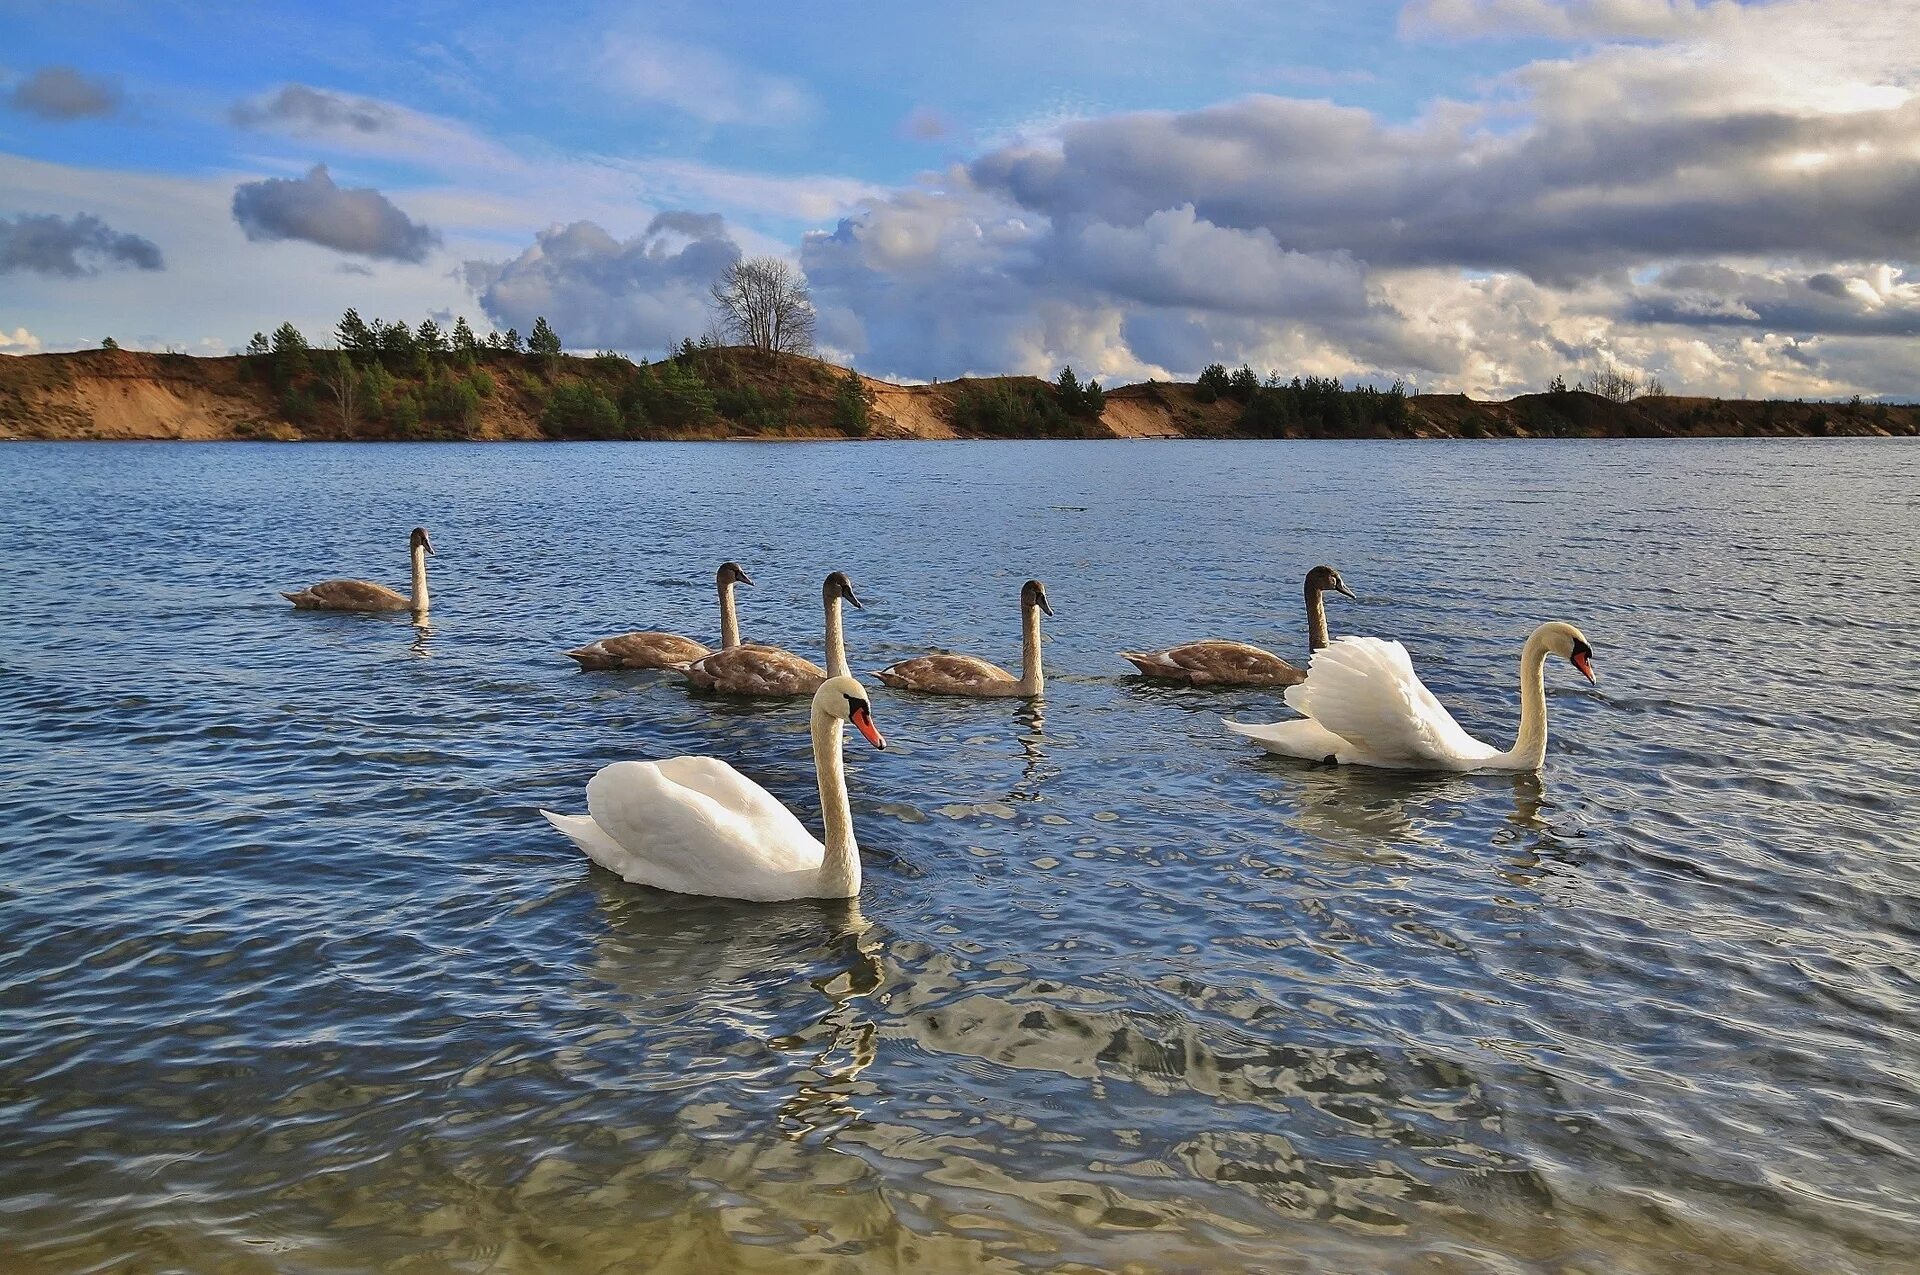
<point>1469,194</point>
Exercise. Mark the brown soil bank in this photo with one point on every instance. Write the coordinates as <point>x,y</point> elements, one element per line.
<point>729,393</point>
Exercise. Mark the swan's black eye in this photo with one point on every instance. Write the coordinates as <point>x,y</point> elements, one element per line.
<point>1581,648</point>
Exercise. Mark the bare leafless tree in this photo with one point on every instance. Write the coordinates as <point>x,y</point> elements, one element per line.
<point>342,383</point>
<point>762,302</point>
<point>1613,383</point>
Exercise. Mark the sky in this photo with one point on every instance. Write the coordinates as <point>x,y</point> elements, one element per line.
<point>1466,195</point>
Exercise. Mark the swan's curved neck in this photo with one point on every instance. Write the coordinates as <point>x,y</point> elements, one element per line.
<point>729,622</point>
<point>840,867</point>
<point>1316,616</point>
<point>836,640</point>
<point>420,579</point>
<point>1530,745</point>
<point>1032,679</point>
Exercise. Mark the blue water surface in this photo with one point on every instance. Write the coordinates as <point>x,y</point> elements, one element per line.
<point>293,977</point>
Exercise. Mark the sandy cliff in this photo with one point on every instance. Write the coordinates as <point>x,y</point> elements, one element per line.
<point>114,394</point>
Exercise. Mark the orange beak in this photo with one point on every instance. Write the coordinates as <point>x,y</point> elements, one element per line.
<point>863,720</point>
<point>1584,662</point>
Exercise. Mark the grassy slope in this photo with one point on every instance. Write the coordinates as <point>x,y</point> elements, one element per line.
<point>121,394</point>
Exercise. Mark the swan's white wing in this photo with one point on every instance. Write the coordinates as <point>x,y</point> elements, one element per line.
<point>748,802</point>
<point>1365,691</point>
<point>683,837</point>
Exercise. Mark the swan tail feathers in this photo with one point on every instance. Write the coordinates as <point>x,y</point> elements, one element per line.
<point>590,838</point>
<point>574,826</point>
<point>1302,738</point>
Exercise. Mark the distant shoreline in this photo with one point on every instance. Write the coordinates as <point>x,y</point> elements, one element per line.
<point>738,395</point>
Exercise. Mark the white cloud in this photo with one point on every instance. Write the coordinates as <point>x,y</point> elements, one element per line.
<point>1734,208</point>
<point>635,295</point>
<point>1563,19</point>
<point>216,280</point>
<point>19,341</point>
<point>349,124</point>
<point>700,83</point>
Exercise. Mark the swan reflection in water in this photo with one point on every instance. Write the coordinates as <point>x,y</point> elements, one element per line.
<point>1031,717</point>
<point>422,636</point>
<point>735,970</point>
<point>821,991</point>
<point>1373,814</point>
<point>842,1042</point>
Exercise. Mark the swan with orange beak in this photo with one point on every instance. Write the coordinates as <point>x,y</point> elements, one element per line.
<point>695,825</point>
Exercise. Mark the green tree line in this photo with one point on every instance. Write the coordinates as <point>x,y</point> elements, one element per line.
<point>1274,408</point>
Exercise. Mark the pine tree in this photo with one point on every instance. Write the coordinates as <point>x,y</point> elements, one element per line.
<point>258,345</point>
<point>431,339</point>
<point>544,341</point>
<point>463,342</point>
<point>1213,383</point>
<point>287,340</point>
<point>397,337</point>
<point>288,361</point>
<point>1093,399</point>
<point>511,341</point>
<point>851,403</point>
<point>1069,387</point>
<point>353,335</point>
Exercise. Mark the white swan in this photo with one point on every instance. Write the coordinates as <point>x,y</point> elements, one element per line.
<point>695,825</point>
<point>364,595</point>
<point>1364,706</point>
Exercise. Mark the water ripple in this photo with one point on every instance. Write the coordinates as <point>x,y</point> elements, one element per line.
<point>295,979</point>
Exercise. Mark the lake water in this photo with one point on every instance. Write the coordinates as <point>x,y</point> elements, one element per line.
<point>293,978</point>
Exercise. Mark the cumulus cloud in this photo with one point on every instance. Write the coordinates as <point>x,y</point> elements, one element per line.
<point>632,294</point>
<point>1874,301</point>
<point>63,93</point>
<point>70,247</point>
<point>1746,187</point>
<point>358,220</point>
<point>19,341</point>
<point>1176,258</point>
<point>298,108</point>
<point>1569,194</point>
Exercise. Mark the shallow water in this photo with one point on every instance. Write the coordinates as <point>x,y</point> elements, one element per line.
<point>293,978</point>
